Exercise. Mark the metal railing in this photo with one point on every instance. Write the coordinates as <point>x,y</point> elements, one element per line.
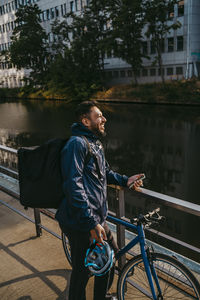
<point>7,153</point>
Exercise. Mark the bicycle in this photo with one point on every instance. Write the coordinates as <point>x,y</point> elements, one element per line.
<point>150,275</point>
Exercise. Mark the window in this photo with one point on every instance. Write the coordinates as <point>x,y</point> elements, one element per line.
<point>137,73</point>
<point>52,11</point>
<point>21,2</point>
<point>13,5</point>
<point>130,73</point>
<point>170,71</point>
<point>50,37</point>
<point>76,5</point>
<point>41,17</point>
<point>159,72</point>
<point>153,72</point>
<point>180,43</point>
<point>9,7</point>
<point>170,44</point>
<point>179,70</point>
<point>116,74</point>
<point>71,6</point>
<point>8,27</point>
<point>109,74</point>
<point>47,14</point>
<point>162,45</point>
<point>122,73</point>
<point>62,11</point>
<point>144,72</point>
<point>144,48</point>
<point>16,4</point>
<point>109,53</point>
<point>181,8</point>
<point>57,11</point>
<point>152,47</point>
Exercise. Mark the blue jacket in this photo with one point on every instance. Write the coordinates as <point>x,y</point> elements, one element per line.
<point>84,205</point>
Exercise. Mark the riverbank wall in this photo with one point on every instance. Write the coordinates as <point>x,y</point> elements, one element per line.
<point>178,92</point>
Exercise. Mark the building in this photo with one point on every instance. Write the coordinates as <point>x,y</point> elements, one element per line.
<point>181,48</point>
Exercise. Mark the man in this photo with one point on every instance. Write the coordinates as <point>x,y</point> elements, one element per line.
<point>83,211</point>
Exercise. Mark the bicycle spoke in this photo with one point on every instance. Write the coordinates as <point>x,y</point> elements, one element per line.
<point>173,280</point>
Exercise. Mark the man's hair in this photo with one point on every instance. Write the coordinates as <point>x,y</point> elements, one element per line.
<point>83,109</point>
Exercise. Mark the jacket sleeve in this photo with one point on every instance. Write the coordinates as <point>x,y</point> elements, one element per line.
<point>115,178</point>
<point>72,162</point>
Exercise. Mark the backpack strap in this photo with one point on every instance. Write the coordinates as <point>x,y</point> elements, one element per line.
<point>91,154</point>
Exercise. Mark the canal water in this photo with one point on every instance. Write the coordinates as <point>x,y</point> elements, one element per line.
<point>161,141</point>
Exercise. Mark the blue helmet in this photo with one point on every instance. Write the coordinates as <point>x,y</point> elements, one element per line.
<point>99,258</point>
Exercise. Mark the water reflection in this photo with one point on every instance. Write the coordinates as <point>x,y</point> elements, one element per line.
<point>159,141</point>
<point>163,142</point>
<point>30,123</point>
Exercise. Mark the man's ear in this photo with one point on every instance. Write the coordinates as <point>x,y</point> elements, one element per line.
<point>85,122</point>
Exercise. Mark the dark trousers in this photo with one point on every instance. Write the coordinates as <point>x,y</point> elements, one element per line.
<point>79,243</point>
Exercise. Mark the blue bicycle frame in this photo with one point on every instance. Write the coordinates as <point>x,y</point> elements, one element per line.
<point>140,238</point>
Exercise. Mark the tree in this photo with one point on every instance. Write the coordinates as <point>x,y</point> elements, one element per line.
<point>29,43</point>
<point>79,50</point>
<point>127,22</point>
<point>159,18</point>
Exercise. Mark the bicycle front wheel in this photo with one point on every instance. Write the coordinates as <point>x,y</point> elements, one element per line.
<point>66,247</point>
<point>175,280</point>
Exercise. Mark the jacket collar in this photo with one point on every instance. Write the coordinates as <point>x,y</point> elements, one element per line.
<point>80,129</point>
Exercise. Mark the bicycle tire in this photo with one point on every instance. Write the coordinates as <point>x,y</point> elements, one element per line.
<point>175,280</point>
<point>66,247</point>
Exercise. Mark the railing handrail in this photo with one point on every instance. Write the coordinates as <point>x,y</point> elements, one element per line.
<point>119,214</point>
<point>8,149</point>
<point>179,204</point>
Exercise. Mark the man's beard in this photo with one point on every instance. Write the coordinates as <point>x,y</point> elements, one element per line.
<point>97,132</point>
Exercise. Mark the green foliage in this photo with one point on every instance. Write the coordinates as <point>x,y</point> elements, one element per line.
<point>127,22</point>
<point>29,47</point>
<point>73,64</point>
<point>171,92</point>
<point>79,51</point>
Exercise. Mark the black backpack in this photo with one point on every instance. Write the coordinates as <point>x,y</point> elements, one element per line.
<point>40,177</point>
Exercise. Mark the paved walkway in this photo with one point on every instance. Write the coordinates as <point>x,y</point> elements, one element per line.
<point>31,268</point>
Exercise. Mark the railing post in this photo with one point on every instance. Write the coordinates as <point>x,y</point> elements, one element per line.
<point>120,228</point>
<point>37,222</point>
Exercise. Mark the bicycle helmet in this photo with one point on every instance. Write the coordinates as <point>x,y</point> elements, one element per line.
<point>99,258</point>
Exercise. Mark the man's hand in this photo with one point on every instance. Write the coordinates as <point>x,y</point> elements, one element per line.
<point>98,233</point>
<point>137,181</point>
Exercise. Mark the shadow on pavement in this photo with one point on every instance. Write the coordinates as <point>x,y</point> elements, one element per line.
<point>44,276</point>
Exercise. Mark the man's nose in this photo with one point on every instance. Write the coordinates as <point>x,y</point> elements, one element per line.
<point>104,119</point>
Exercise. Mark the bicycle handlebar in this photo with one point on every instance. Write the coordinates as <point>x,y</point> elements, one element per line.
<point>152,217</point>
